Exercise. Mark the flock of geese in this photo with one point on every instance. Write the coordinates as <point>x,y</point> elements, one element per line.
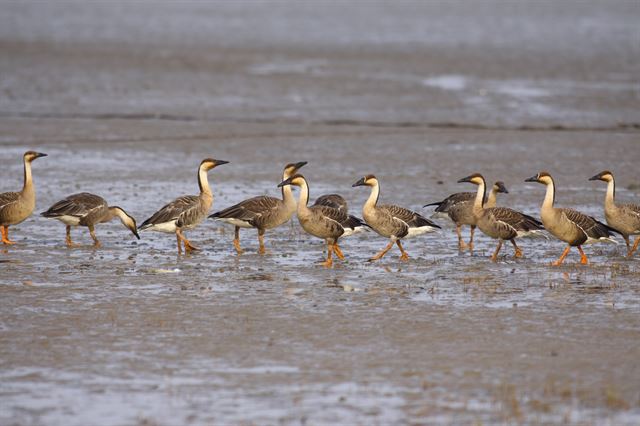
<point>328,218</point>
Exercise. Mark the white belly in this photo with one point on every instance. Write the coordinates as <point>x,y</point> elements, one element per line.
<point>235,222</point>
<point>69,220</point>
<point>167,227</point>
<point>419,231</point>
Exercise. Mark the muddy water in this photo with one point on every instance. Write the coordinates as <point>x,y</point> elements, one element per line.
<point>134,334</point>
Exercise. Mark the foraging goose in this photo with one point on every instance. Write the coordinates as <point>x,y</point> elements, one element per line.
<point>15,207</point>
<point>322,221</point>
<point>185,212</point>
<point>569,225</point>
<point>391,221</point>
<point>500,223</point>
<point>459,208</point>
<point>624,218</point>
<point>88,210</point>
<point>262,212</point>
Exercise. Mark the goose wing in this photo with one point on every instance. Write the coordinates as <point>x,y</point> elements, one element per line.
<point>181,210</point>
<point>589,225</point>
<point>335,201</point>
<point>409,217</point>
<point>452,200</point>
<point>515,219</point>
<point>8,198</point>
<point>251,209</point>
<point>632,210</point>
<point>77,205</point>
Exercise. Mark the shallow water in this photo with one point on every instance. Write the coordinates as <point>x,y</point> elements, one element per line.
<point>133,334</point>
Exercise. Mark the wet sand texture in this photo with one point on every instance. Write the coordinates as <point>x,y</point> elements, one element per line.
<point>128,98</point>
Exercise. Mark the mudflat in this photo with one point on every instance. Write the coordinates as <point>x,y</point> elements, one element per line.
<point>127,99</point>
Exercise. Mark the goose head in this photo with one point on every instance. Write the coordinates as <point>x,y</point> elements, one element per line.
<point>542,177</point>
<point>209,163</point>
<point>29,156</point>
<point>295,180</point>
<point>368,180</point>
<point>476,179</point>
<point>127,220</point>
<point>605,176</point>
<point>292,168</point>
<point>500,188</point>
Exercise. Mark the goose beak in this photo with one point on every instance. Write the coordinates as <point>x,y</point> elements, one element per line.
<point>300,164</point>
<point>40,154</point>
<point>358,183</point>
<point>220,163</point>
<point>465,179</point>
<point>284,183</point>
<point>596,177</point>
<point>532,179</point>
<point>135,232</point>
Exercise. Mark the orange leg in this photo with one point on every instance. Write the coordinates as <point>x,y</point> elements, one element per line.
<point>236,241</point>
<point>337,251</point>
<point>494,257</point>
<point>518,253</point>
<point>68,238</point>
<point>562,256</point>
<point>461,244</point>
<point>583,257</point>
<point>179,243</point>
<point>329,262</point>
<point>635,246</point>
<point>383,252</point>
<point>261,250</point>
<point>5,235</point>
<point>404,256</point>
<point>473,228</point>
<point>96,243</point>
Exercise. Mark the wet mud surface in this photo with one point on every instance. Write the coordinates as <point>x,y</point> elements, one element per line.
<point>131,333</point>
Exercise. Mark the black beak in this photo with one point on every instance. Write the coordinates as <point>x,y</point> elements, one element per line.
<point>220,162</point>
<point>502,188</point>
<point>40,154</point>
<point>135,233</point>
<point>465,179</point>
<point>300,164</point>
<point>285,182</point>
<point>532,179</point>
<point>358,183</point>
<point>596,177</point>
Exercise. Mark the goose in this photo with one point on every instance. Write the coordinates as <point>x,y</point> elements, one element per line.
<point>185,212</point>
<point>569,225</point>
<point>624,218</point>
<point>337,201</point>
<point>86,209</point>
<point>15,207</point>
<point>322,221</point>
<point>391,221</point>
<point>459,208</point>
<point>500,223</point>
<point>261,212</point>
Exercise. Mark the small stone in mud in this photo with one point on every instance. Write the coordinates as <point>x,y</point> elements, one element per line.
<point>554,353</point>
<point>440,182</point>
<point>183,287</point>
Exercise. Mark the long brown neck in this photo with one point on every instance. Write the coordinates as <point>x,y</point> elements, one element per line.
<point>550,196</point>
<point>478,203</point>
<point>372,201</point>
<point>203,182</point>
<point>492,198</point>
<point>609,198</point>
<point>287,193</point>
<point>28,180</point>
